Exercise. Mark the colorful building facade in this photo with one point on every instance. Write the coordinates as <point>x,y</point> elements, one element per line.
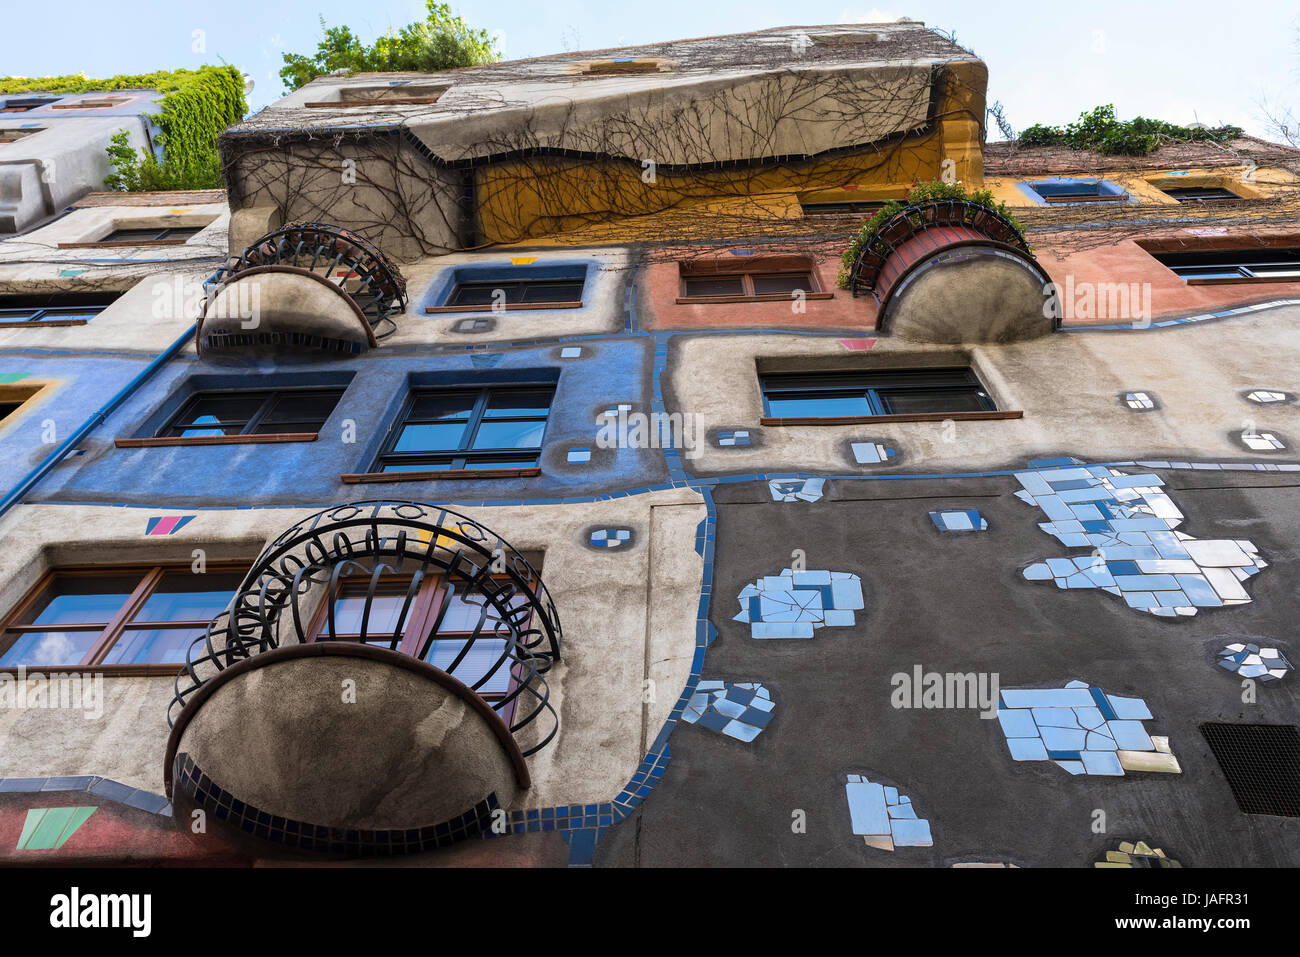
<point>510,467</point>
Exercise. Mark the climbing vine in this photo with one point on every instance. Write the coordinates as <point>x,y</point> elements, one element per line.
<point>196,106</point>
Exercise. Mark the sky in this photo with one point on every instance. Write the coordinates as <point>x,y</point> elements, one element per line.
<point>1048,62</point>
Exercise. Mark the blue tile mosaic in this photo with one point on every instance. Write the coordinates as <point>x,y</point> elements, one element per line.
<point>1249,660</point>
<point>883,817</point>
<point>611,537</point>
<point>740,710</point>
<point>959,520</point>
<point>1128,524</point>
<point>871,453</point>
<point>794,604</point>
<point>1083,730</point>
<point>579,456</point>
<point>740,437</point>
<point>796,490</point>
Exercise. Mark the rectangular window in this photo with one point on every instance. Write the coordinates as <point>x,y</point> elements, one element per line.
<point>1234,265</point>
<point>91,103</point>
<point>152,234</point>
<point>528,291</point>
<point>429,621</point>
<point>124,616</point>
<point>780,280</point>
<point>14,135</point>
<point>53,310</point>
<point>274,412</point>
<point>856,395</point>
<point>1200,194</point>
<point>21,104</point>
<point>454,429</point>
<point>867,209</point>
<point>1075,191</point>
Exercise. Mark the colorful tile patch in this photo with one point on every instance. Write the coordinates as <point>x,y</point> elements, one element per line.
<point>796,490</point>
<point>858,345</point>
<point>871,453</point>
<point>1139,401</point>
<point>733,438</point>
<point>739,710</point>
<point>1262,441</point>
<point>610,537</point>
<point>794,604</point>
<point>959,520</point>
<point>1251,661</point>
<point>167,524</point>
<point>48,828</point>
<point>571,352</point>
<point>579,456</point>
<point>884,817</point>
<point>1082,729</point>
<point>1128,523</point>
<point>1133,855</point>
<point>1268,396</point>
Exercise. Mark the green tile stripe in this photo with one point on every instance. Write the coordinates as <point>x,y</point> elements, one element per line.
<point>12,376</point>
<point>48,828</point>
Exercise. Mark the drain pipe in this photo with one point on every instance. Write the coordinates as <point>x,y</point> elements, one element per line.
<point>28,481</point>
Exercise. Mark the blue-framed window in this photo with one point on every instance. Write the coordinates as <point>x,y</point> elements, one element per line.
<point>252,412</point>
<point>884,392</point>
<point>479,287</point>
<point>1067,190</point>
<point>486,292</point>
<point>451,429</point>
<point>67,309</point>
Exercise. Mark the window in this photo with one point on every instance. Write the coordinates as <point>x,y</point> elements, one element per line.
<point>854,395</point>
<point>276,412</point>
<point>771,278</point>
<point>21,104</point>
<point>455,429</point>
<point>1234,265</point>
<point>91,103</point>
<point>867,209</point>
<point>398,94</point>
<point>1075,191</point>
<point>1199,194</point>
<point>524,291</point>
<point>122,616</point>
<point>433,624</point>
<point>621,65</point>
<point>14,135</point>
<point>14,396</point>
<point>53,310</point>
<point>152,234</point>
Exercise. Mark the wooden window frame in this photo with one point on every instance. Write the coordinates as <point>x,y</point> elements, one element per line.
<point>109,633</point>
<point>53,307</point>
<point>246,436</point>
<point>426,611</point>
<point>464,452</point>
<point>859,381</point>
<point>747,271</point>
<point>107,243</point>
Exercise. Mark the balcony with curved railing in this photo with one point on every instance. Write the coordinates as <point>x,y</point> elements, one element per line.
<point>441,632</point>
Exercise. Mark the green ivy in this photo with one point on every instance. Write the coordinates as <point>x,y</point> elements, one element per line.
<point>1099,131</point>
<point>919,193</point>
<point>197,105</point>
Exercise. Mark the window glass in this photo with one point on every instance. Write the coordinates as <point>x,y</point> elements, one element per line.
<point>715,286</point>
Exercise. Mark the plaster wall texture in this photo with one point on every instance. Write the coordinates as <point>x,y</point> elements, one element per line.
<point>401,752</point>
<point>627,614</point>
<point>1067,384</point>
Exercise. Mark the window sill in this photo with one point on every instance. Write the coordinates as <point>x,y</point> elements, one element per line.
<point>269,437</point>
<point>901,417</point>
<point>777,297</point>
<point>1239,280</point>
<point>30,324</point>
<point>1057,200</point>
<point>508,307</point>
<point>433,475</point>
<point>354,104</point>
<point>118,244</point>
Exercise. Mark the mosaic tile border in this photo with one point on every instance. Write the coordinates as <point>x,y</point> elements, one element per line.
<point>93,784</point>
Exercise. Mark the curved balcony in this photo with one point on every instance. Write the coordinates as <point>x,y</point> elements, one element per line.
<point>375,686</point>
<point>303,286</point>
<point>953,271</point>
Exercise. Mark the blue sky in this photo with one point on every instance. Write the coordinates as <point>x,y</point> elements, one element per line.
<point>1047,62</point>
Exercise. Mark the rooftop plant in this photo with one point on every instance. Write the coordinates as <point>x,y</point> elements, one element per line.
<point>1099,131</point>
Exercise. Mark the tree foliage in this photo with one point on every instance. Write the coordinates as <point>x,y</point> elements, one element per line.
<point>439,42</point>
<point>1099,131</point>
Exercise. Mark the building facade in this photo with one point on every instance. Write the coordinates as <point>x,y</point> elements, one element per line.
<point>511,466</point>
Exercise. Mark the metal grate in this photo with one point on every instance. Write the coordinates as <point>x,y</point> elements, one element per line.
<point>1261,763</point>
